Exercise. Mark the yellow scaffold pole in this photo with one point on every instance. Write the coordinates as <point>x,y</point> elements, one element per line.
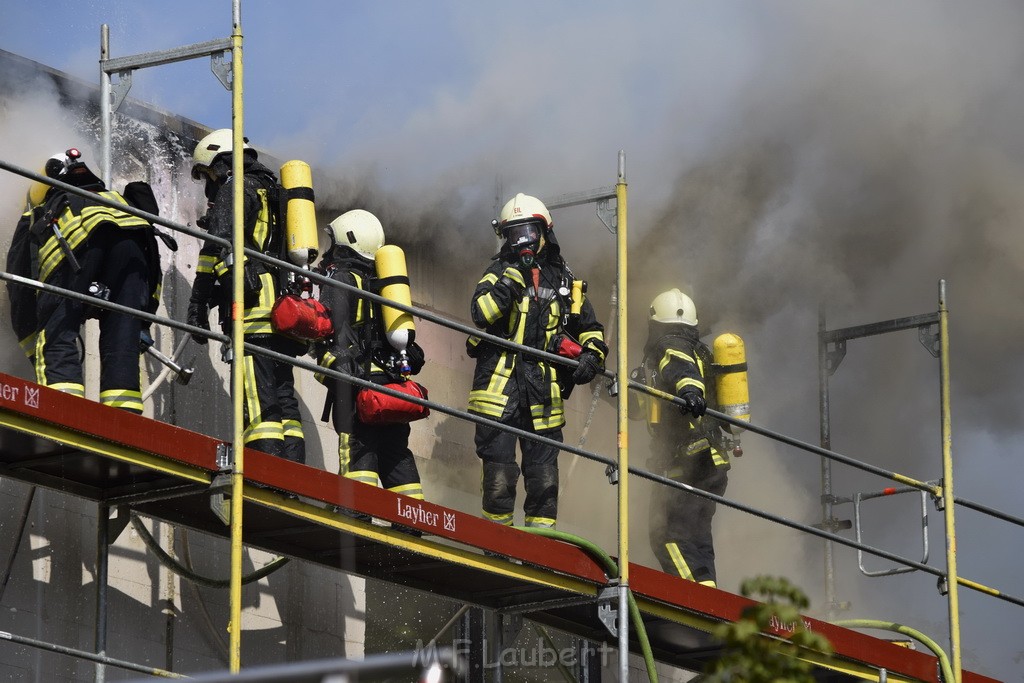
<point>622,371</point>
<point>952,579</point>
<point>237,330</point>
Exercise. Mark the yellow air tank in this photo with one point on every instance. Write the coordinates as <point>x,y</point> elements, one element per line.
<point>394,278</point>
<point>36,193</point>
<point>300,223</point>
<point>731,388</point>
<point>731,377</point>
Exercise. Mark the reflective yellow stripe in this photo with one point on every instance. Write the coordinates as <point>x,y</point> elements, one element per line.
<point>76,229</point>
<point>502,373</point>
<point>504,518</point>
<point>365,476</point>
<point>517,323</point>
<point>672,353</point>
<point>360,301</point>
<point>679,562</point>
<point>292,428</point>
<point>486,403</point>
<point>554,421</point>
<point>28,345</point>
<point>411,490</point>
<point>488,308</point>
<point>698,446</point>
<point>72,388</point>
<point>689,382</point>
<point>261,230</point>
<point>252,400</point>
<point>492,400</point>
<point>264,430</point>
<point>344,454</point>
<point>125,399</point>
<point>718,458</point>
<point>326,361</point>
<point>542,522</point>
<point>514,275</point>
<point>267,294</point>
<point>258,327</point>
<point>489,278</point>
<point>207,263</point>
<point>40,358</point>
<point>709,583</point>
<point>592,336</point>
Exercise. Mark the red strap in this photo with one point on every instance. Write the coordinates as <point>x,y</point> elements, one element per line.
<point>536,283</point>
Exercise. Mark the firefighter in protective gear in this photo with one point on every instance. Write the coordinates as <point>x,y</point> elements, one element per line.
<point>525,296</point>
<point>76,243</point>
<point>271,409</point>
<point>687,445</point>
<point>375,454</point>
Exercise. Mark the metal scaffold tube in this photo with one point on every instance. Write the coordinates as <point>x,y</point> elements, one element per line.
<point>825,439</point>
<point>237,332</point>
<point>622,361</point>
<point>947,489</point>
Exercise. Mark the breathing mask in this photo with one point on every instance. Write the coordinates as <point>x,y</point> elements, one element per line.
<point>523,240</point>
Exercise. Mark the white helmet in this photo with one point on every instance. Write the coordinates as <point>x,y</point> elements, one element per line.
<point>673,307</point>
<point>520,209</point>
<point>210,147</point>
<point>358,229</point>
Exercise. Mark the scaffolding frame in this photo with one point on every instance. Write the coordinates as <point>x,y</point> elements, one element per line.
<point>831,351</point>
<point>831,455</point>
<point>230,76</point>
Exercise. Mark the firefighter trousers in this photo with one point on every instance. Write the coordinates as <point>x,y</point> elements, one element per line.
<point>681,521</point>
<point>497,449</point>
<point>273,423</point>
<point>116,258</point>
<point>379,455</point>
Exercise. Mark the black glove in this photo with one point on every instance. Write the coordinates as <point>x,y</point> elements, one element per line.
<point>693,403</point>
<point>199,316</point>
<point>589,366</point>
<point>513,279</point>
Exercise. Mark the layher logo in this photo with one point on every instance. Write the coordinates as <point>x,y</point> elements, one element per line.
<point>29,395</point>
<point>415,511</point>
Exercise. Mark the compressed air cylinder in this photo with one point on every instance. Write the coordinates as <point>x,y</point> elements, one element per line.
<point>37,192</point>
<point>731,377</point>
<point>394,279</point>
<point>300,222</point>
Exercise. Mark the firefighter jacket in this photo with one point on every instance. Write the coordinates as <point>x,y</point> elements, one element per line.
<point>676,361</point>
<point>47,234</point>
<point>531,309</point>
<point>358,346</point>
<point>262,233</point>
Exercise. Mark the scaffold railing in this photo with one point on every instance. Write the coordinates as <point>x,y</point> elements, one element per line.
<point>931,488</point>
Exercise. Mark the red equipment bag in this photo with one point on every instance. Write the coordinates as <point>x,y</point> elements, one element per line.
<point>302,319</point>
<point>375,407</point>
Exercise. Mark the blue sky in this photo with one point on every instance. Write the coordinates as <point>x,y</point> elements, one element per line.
<point>776,152</point>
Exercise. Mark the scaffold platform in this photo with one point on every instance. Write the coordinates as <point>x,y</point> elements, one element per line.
<point>84,449</point>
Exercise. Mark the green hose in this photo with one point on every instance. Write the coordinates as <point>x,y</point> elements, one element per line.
<point>612,569</point>
<point>947,670</point>
<point>185,573</point>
